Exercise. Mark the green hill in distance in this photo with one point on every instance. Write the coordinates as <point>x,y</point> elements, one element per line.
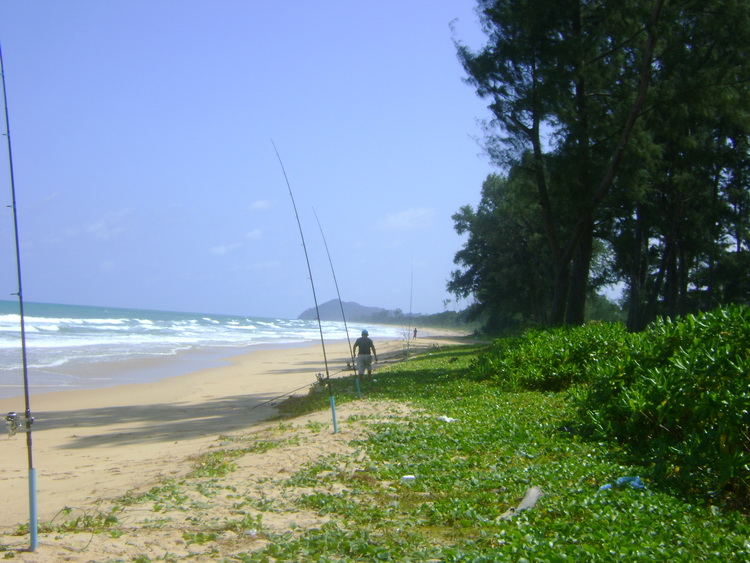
<point>331,311</point>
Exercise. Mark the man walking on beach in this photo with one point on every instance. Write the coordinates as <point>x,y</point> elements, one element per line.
<point>367,351</point>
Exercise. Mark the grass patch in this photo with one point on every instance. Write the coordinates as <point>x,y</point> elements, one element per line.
<point>474,450</point>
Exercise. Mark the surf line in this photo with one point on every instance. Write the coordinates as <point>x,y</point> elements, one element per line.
<point>341,304</point>
<point>315,297</point>
<point>12,418</point>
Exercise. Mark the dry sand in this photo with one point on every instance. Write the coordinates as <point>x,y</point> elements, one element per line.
<point>98,444</point>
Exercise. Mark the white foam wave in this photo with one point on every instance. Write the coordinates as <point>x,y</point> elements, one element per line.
<point>97,335</point>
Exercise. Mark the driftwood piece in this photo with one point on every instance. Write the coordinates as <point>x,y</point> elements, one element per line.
<point>529,501</point>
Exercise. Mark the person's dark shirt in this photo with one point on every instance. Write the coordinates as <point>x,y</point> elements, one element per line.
<point>365,345</point>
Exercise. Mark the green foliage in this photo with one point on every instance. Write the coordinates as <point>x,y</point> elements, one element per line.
<point>214,464</point>
<point>654,164</point>
<point>446,319</point>
<point>601,308</point>
<point>315,426</point>
<point>199,538</point>
<point>505,260</point>
<point>167,496</point>
<point>678,395</point>
<point>681,238</point>
<point>219,463</point>
<point>548,360</point>
<point>470,470</point>
<point>88,522</point>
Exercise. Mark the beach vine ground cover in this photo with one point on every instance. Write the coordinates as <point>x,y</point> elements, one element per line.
<point>487,440</point>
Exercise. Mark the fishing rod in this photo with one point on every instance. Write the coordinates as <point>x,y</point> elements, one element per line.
<point>312,285</point>
<point>341,303</point>
<point>12,418</point>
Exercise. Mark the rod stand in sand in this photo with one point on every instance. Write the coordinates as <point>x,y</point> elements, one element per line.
<point>333,415</point>
<point>324,381</point>
<point>16,423</point>
<point>356,380</point>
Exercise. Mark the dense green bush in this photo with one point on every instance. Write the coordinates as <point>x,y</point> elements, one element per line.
<point>678,395</point>
<point>548,360</point>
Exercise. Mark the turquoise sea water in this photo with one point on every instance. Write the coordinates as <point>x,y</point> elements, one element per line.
<point>64,341</point>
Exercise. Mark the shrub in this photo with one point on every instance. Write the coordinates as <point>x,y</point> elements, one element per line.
<point>548,360</point>
<point>679,395</point>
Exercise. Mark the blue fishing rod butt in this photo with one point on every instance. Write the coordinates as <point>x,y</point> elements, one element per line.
<point>33,538</point>
<point>333,413</point>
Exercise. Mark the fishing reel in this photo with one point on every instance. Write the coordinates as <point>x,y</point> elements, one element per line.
<point>16,423</point>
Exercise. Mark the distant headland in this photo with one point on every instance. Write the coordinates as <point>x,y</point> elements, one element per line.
<point>331,311</point>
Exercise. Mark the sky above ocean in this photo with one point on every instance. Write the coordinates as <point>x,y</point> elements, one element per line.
<point>145,173</point>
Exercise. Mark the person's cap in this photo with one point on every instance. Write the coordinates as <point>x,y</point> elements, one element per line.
<point>365,333</point>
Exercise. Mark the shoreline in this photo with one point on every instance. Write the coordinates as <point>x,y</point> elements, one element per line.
<point>79,376</point>
<point>104,374</point>
<point>97,443</point>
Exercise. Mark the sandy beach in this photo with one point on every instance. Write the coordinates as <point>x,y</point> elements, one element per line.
<point>96,444</point>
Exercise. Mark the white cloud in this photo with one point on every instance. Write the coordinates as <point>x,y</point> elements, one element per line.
<point>111,225</point>
<point>59,236</point>
<point>415,218</point>
<point>260,205</point>
<point>272,265</point>
<point>224,249</point>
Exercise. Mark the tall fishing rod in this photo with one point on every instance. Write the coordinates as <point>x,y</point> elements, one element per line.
<point>312,285</point>
<point>11,417</point>
<point>341,303</point>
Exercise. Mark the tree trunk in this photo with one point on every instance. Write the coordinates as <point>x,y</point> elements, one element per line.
<point>653,297</point>
<point>672,278</point>
<point>560,265</point>
<point>579,281</point>
<point>560,293</point>
<point>683,270</point>
<point>586,219</point>
<point>637,273</point>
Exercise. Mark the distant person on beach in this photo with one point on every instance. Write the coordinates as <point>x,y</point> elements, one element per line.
<point>415,332</point>
<point>367,352</point>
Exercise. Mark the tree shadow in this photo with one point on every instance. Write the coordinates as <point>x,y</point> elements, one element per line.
<point>162,422</point>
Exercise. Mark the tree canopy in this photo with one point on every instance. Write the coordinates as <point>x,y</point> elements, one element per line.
<point>621,130</point>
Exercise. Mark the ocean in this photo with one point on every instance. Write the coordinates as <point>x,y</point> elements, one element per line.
<point>67,345</point>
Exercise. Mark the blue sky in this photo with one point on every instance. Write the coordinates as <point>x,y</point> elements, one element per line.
<point>145,173</point>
